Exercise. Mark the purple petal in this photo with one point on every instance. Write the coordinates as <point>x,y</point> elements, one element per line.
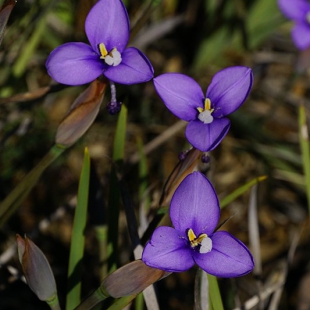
<point>195,205</point>
<point>108,23</point>
<point>206,137</point>
<point>74,64</point>
<point>228,258</point>
<point>180,93</point>
<point>294,9</point>
<point>301,36</point>
<point>167,250</point>
<point>134,68</point>
<point>228,89</point>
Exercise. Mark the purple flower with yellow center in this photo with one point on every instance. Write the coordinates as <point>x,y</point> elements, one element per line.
<point>206,115</point>
<point>298,11</point>
<point>195,212</point>
<point>107,29</point>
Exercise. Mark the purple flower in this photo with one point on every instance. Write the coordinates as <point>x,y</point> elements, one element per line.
<point>206,114</point>
<point>107,29</point>
<point>195,212</point>
<point>298,11</point>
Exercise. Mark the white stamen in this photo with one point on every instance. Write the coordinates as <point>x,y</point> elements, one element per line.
<point>114,59</point>
<point>205,117</point>
<point>205,245</point>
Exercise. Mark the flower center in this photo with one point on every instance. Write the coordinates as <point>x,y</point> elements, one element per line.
<point>202,243</point>
<point>205,113</point>
<point>112,58</point>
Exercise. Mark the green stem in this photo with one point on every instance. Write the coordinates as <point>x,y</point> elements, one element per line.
<point>122,302</point>
<point>78,237</point>
<point>54,303</point>
<point>94,299</point>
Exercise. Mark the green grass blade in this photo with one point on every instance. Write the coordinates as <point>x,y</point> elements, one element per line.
<point>11,203</point>
<point>239,191</point>
<point>215,298</point>
<point>114,193</point>
<point>78,237</point>
<point>30,47</point>
<point>304,146</point>
<point>120,135</point>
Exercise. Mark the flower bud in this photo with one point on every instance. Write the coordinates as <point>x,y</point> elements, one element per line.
<point>131,279</point>
<point>37,270</point>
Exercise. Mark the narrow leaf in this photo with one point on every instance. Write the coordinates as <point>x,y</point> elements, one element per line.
<point>239,191</point>
<point>214,293</point>
<point>11,203</point>
<point>114,193</point>
<point>78,237</point>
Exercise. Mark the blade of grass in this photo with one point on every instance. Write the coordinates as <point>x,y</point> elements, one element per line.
<point>78,237</point>
<point>215,298</point>
<point>304,147</point>
<point>239,191</point>
<point>120,134</point>
<point>114,192</point>
<point>11,203</point>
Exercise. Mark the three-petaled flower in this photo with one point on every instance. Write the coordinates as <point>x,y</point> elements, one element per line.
<point>206,114</point>
<point>298,11</point>
<point>107,29</point>
<point>195,212</point>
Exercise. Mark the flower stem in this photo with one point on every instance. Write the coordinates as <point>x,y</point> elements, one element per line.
<point>54,303</point>
<point>94,299</point>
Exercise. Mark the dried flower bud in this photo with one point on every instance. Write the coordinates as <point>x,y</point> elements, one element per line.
<point>82,114</point>
<point>37,270</point>
<point>131,279</point>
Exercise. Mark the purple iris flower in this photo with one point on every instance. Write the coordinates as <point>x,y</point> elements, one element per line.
<point>107,29</point>
<point>195,212</point>
<point>206,114</point>
<point>298,11</point>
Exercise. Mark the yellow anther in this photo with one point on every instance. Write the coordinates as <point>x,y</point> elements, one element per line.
<point>195,241</point>
<point>191,235</point>
<point>207,106</point>
<point>103,51</point>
